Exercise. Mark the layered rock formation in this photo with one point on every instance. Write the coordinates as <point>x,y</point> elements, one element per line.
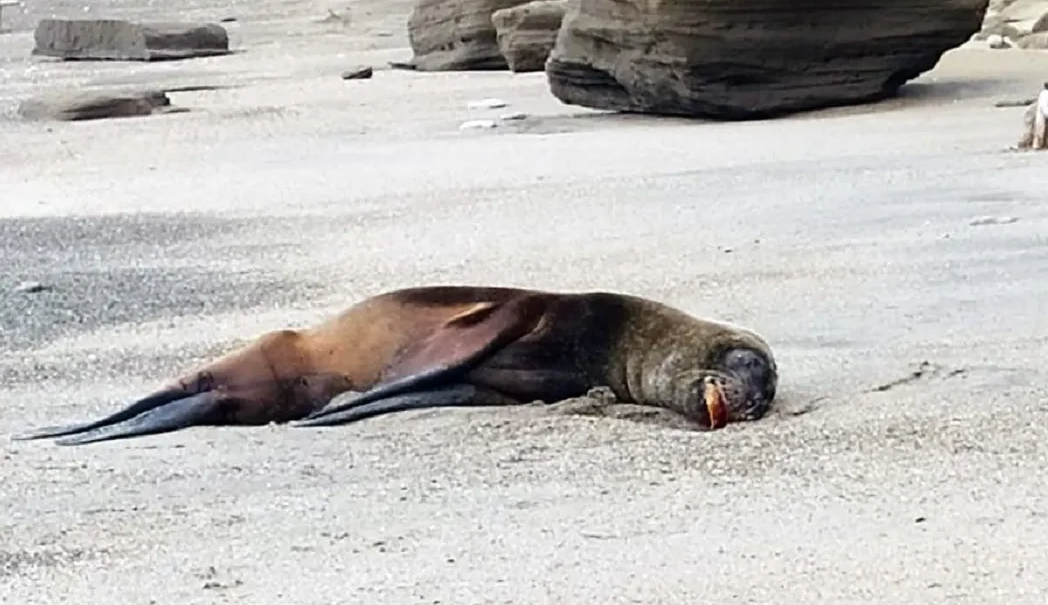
<point>738,59</point>
<point>456,35</point>
<point>526,33</point>
<point>1017,23</point>
<point>115,40</point>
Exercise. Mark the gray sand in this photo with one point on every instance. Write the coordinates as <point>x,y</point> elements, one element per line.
<point>855,240</point>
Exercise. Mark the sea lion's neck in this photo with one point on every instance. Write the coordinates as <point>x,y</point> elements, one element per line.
<point>657,348</point>
<point>653,372</point>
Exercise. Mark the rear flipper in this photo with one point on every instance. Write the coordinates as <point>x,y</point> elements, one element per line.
<point>454,395</point>
<point>141,406</point>
<point>173,416</point>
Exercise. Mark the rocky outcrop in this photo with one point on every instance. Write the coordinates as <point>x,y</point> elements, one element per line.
<point>733,59</point>
<point>1016,24</point>
<point>1034,41</point>
<point>114,40</point>
<point>456,35</point>
<point>1014,18</point>
<point>94,105</point>
<point>526,33</point>
<point>1041,24</point>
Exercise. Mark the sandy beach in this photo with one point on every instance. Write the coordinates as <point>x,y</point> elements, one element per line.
<point>894,255</point>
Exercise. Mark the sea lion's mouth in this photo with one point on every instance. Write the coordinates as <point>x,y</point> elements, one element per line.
<point>716,404</point>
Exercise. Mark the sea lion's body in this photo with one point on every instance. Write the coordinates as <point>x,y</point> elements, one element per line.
<point>459,346</point>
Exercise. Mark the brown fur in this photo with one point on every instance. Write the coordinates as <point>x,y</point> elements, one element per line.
<point>514,345</point>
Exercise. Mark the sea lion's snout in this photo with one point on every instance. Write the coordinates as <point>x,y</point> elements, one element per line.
<point>754,380</point>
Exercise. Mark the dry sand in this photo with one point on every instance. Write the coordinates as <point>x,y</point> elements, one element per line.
<point>855,240</point>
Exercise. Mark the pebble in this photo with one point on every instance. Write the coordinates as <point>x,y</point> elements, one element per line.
<point>31,287</point>
<point>1016,102</point>
<point>358,73</point>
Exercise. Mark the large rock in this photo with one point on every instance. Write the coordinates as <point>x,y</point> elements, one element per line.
<point>114,40</point>
<point>1034,41</point>
<point>738,59</point>
<point>1041,24</point>
<point>1014,18</point>
<point>456,35</point>
<point>94,105</point>
<point>526,33</point>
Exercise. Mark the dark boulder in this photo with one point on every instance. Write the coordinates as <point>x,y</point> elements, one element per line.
<point>732,59</point>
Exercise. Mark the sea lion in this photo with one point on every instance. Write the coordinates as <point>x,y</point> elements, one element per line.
<point>443,346</point>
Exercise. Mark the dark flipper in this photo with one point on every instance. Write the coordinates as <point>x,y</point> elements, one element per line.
<point>143,405</point>
<point>175,415</point>
<point>442,358</point>
<point>454,395</point>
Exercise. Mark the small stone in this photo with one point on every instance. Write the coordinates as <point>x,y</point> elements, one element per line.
<point>358,73</point>
<point>487,104</point>
<point>1015,102</point>
<point>993,220</point>
<point>32,287</point>
<point>343,18</point>
<point>478,125</point>
<point>997,41</point>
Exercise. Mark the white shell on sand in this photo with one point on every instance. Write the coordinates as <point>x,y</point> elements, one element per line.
<point>487,104</point>
<point>478,124</point>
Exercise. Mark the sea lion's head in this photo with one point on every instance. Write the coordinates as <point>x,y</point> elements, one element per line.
<point>752,379</point>
<point>740,388</point>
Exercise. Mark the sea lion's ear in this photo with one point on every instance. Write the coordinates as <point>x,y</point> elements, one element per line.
<point>466,338</point>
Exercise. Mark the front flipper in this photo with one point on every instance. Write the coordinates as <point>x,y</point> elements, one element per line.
<point>143,405</point>
<point>454,395</point>
<point>446,355</point>
<point>173,416</point>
